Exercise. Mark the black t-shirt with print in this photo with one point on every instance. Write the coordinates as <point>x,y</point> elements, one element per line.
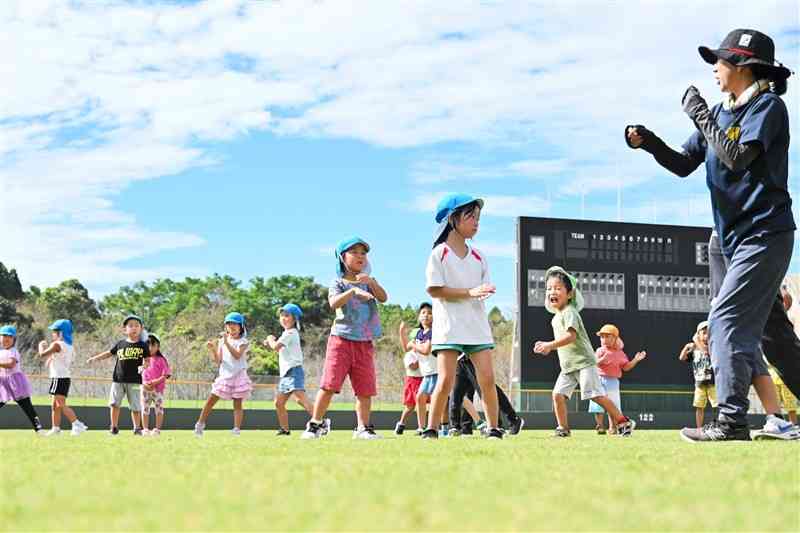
<point>130,356</point>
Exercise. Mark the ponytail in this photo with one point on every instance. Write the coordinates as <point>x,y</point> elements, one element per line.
<point>777,85</point>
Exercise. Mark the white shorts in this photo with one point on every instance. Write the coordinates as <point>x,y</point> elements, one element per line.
<point>588,378</point>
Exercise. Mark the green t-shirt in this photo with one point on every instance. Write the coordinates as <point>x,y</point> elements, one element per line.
<point>578,354</point>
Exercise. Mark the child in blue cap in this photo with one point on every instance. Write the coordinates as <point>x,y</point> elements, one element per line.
<point>229,352</point>
<point>457,278</point>
<point>60,354</point>
<point>350,352</point>
<point>127,378</point>
<point>14,384</point>
<point>290,365</point>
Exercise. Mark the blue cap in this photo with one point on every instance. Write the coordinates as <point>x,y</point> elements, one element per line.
<point>345,245</point>
<point>133,317</point>
<point>236,318</point>
<point>447,206</point>
<point>8,331</point>
<point>293,310</point>
<point>65,327</point>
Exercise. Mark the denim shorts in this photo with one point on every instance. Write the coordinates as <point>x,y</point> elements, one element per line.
<point>428,384</point>
<point>295,379</point>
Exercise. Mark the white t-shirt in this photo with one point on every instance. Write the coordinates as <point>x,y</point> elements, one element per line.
<point>230,365</point>
<point>462,321</point>
<point>428,365</point>
<point>291,355</point>
<point>61,361</point>
<point>409,359</point>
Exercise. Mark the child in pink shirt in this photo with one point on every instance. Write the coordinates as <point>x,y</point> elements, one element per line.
<point>611,362</point>
<point>155,373</point>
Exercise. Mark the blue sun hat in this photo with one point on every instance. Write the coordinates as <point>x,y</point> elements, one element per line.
<point>345,245</point>
<point>8,331</point>
<point>295,311</point>
<point>447,207</point>
<point>236,318</point>
<point>577,296</point>
<point>65,327</point>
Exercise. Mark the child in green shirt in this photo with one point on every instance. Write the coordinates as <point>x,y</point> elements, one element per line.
<point>575,353</point>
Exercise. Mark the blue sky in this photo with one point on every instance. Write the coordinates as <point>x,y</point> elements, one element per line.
<point>152,140</point>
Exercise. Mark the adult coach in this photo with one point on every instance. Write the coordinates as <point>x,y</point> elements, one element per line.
<point>744,142</point>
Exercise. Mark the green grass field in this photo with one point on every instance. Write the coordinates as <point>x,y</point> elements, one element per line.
<point>652,481</point>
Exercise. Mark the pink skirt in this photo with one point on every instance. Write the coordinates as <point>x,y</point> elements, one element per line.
<point>14,387</point>
<point>237,387</point>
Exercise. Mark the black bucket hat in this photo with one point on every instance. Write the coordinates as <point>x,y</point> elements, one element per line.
<point>747,47</point>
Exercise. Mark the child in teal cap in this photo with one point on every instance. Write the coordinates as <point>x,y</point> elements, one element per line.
<point>353,295</point>
<point>59,355</point>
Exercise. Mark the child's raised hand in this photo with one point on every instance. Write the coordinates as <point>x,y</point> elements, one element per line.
<point>362,295</point>
<point>689,347</point>
<point>363,278</point>
<point>640,356</point>
<point>42,346</point>
<point>481,292</point>
<point>212,344</point>
<point>542,347</point>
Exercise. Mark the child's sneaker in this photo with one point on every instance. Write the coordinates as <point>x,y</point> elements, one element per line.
<point>313,431</point>
<point>198,429</point>
<point>326,426</point>
<point>138,432</point>
<point>78,427</point>
<point>516,425</point>
<point>366,433</point>
<point>114,431</point>
<point>145,432</point>
<point>283,432</point>
<point>399,428</point>
<point>495,434</point>
<point>714,431</point>
<point>561,432</point>
<point>777,429</point>
<point>54,432</point>
<point>430,434</point>
<point>482,426</point>
<point>600,430</point>
<point>236,432</point>
<point>454,432</point>
<point>420,431</point>
<point>155,432</point>
<point>625,429</point>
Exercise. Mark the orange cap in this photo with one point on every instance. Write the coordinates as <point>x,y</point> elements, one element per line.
<point>608,329</point>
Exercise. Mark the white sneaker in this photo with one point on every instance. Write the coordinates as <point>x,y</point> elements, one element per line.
<point>198,429</point>
<point>236,432</point>
<point>365,433</point>
<point>155,432</point>
<point>78,427</point>
<point>776,428</point>
<point>313,431</point>
<point>326,426</point>
<point>145,432</point>
<point>54,432</point>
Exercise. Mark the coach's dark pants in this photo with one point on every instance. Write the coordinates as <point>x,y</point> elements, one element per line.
<point>779,342</point>
<point>466,385</point>
<point>739,315</point>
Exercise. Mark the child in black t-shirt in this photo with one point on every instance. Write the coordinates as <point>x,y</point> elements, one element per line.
<point>127,379</point>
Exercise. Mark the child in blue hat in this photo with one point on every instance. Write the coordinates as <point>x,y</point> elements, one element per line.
<point>457,278</point>
<point>14,384</point>
<point>290,365</point>
<point>353,295</point>
<point>229,352</point>
<point>60,354</point>
<point>127,378</point>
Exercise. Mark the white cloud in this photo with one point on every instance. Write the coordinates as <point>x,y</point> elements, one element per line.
<point>506,250</point>
<point>100,95</point>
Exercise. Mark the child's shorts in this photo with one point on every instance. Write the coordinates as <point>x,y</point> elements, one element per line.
<point>237,387</point>
<point>428,384</point>
<point>704,394</point>
<point>612,391</point>
<point>468,349</point>
<point>410,389</point>
<point>154,398</point>
<point>59,387</point>
<point>295,379</point>
<point>344,357</point>
<point>121,390</point>
<point>785,397</point>
<point>588,378</point>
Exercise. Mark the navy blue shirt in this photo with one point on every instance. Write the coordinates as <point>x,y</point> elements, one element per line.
<point>754,201</point>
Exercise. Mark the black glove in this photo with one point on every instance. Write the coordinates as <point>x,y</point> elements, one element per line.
<point>693,104</point>
<point>643,132</point>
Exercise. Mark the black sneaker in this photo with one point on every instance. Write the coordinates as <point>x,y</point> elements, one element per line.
<point>283,432</point>
<point>561,432</point>
<point>625,429</point>
<point>495,434</point>
<point>399,428</point>
<point>313,431</point>
<point>466,429</point>
<point>516,425</point>
<point>114,431</point>
<point>430,434</point>
<point>137,432</point>
<point>715,431</point>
